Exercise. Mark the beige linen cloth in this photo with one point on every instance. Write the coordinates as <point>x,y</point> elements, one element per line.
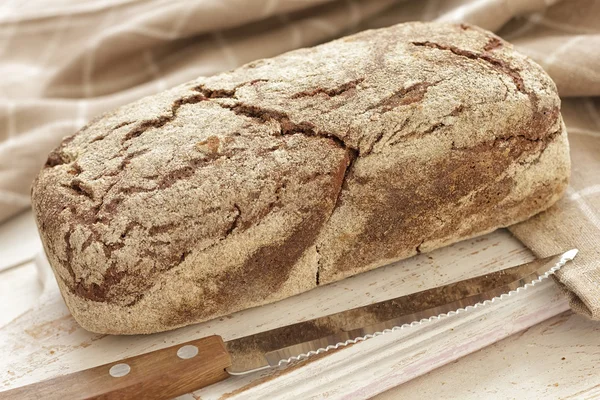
<point>63,62</point>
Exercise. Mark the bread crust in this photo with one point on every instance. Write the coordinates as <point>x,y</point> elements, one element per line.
<point>254,185</point>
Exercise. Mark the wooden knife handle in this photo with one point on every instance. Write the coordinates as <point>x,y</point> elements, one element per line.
<point>161,374</point>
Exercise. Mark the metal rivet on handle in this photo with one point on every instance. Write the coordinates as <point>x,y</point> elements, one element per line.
<point>119,370</point>
<point>187,351</point>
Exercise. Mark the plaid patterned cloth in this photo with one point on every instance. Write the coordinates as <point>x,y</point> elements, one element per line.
<point>65,61</point>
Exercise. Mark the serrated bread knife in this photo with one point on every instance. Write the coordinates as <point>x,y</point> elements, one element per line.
<point>190,366</point>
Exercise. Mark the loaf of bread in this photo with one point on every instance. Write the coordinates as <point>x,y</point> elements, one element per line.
<point>288,173</point>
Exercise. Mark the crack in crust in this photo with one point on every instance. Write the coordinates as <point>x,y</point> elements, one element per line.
<point>520,137</point>
<point>225,93</point>
<point>57,156</point>
<point>288,127</point>
<point>162,120</point>
<point>236,220</point>
<point>330,92</point>
<point>495,63</point>
<point>405,96</point>
<point>493,44</point>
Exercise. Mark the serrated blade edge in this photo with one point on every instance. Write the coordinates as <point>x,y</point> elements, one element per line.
<point>291,354</point>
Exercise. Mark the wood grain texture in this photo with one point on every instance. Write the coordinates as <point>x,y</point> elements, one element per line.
<point>557,358</point>
<point>161,374</point>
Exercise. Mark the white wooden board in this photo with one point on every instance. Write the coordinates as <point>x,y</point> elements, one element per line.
<point>19,241</point>
<point>45,341</point>
<point>556,359</point>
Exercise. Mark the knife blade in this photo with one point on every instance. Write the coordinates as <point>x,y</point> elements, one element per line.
<point>186,367</point>
<point>290,343</point>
